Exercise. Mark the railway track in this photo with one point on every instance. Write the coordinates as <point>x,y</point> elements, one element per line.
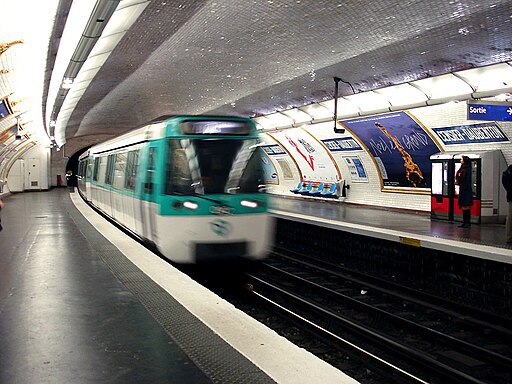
<point>396,333</point>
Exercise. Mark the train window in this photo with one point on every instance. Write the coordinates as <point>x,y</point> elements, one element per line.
<point>247,172</point>
<point>102,168</point>
<point>96,169</point>
<point>213,166</point>
<point>109,175</point>
<point>119,170</point>
<point>131,170</point>
<point>88,171</point>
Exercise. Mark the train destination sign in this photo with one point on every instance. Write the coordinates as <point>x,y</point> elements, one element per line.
<point>489,110</point>
<point>215,127</point>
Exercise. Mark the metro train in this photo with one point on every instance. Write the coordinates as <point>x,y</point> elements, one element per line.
<point>190,185</point>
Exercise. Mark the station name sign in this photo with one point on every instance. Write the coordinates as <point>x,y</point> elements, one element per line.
<point>273,150</point>
<point>489,110</point>
<point>469,134</point>
<point>342,144</point>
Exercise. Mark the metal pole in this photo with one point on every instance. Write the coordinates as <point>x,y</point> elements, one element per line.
<point>336,83</point>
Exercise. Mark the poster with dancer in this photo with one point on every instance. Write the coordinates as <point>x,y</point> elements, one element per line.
<point>400,148</point>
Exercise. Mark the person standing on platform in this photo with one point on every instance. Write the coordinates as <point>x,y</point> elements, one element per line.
<point>463,180</point>
<point>506,180</point>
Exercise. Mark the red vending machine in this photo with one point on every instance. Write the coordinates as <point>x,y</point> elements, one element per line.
<point>489,198</point>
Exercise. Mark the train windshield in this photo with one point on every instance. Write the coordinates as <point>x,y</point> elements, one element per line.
<point>213,166</point>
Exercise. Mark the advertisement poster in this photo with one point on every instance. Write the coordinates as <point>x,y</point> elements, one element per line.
<point>314,161</point>
<point>269,170</point>
<point>400,147</point>
<point>273,153</point>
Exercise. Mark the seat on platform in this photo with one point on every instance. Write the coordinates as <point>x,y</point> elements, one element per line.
<point>306,190</point>
<point>331,192</point>
<point>298,187</point>
<point>318,190</point>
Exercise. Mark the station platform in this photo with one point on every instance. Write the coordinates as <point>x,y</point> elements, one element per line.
<point>484,241</point>
<point>80,302</point>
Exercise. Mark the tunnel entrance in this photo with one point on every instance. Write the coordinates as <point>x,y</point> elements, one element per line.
<point>72,166</point>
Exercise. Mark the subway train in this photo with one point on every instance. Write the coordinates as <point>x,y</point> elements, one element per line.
<point>189,185</point>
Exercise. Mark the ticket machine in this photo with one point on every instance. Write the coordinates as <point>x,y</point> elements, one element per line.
<point>489,197</point>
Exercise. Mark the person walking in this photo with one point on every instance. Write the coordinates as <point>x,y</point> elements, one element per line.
<point>463,180</point>
<point>506,180</point>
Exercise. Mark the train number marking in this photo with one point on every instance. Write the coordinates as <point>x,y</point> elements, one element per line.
<point>221,227</point>
<point>221,210</point>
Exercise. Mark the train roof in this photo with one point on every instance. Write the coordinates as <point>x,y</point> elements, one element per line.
<point>151,130</point>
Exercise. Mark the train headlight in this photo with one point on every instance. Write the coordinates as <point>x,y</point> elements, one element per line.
<point>249,203</point>
<point>190,205</point>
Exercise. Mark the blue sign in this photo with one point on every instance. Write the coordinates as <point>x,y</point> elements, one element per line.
<point>490,111</point>
<point>342,144</point>
<point>469,134</point>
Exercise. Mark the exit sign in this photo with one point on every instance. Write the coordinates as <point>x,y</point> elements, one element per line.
<point>489,110</point>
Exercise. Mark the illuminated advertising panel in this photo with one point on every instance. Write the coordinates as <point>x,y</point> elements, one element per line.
<point>400,148</point>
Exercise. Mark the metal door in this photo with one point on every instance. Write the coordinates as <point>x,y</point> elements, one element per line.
<point>34,174</point>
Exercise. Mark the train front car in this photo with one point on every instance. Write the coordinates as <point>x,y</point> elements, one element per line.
<point>213,204</point>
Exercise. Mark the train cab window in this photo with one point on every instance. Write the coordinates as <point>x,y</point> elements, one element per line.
<point>215,158</point>
<point>179,178</point>
<point>213,166</point>
<point>252,174</point>
<point>247,171</point>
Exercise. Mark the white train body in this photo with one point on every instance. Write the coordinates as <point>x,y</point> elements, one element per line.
<point>189,185</point>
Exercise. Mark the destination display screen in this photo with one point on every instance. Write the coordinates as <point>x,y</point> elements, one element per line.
<point>215,127</point>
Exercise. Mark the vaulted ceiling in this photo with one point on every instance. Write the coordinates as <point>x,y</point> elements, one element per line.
<point>255,57</point>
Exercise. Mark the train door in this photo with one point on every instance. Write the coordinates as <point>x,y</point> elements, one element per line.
<point>149,190</point>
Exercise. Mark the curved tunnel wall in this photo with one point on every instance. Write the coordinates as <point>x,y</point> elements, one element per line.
<point>303,154</point>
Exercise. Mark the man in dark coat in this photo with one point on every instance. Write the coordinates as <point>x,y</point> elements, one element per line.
<point>506,180</point>
<point>464,181</point>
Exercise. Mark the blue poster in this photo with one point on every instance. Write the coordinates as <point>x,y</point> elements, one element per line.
<point>400,147</point>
